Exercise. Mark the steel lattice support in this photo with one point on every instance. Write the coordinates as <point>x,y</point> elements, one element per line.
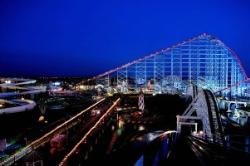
<point>105,81</point>
<point>141,104</point>
<point>140,73</point>
<point>158,73</point>
<point>198,110</point>
<point>122,80</point>
<point>203,60</point>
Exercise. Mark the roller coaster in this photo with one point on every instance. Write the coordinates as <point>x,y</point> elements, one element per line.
<point>15,87</point>
<point>203,60</point>
<point>199,67</point>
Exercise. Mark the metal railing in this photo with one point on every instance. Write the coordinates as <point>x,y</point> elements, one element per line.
<point>45,138</point>
<point>92,129</point>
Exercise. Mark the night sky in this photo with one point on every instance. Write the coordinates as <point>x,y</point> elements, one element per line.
<point>83,38</point>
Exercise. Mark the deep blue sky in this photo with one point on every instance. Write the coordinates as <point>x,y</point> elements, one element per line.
<point>80,38</point>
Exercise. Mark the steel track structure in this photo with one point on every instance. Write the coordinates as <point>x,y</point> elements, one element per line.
<point>203,60</point>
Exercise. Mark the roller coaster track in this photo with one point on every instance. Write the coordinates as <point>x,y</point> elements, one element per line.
<point>16,84</point>
<point>214,117</point>
<point>204,107</point>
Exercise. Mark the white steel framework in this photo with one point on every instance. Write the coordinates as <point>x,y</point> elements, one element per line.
<point>203,60</point>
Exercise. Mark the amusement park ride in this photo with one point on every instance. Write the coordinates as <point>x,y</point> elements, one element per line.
<point>204,61</point>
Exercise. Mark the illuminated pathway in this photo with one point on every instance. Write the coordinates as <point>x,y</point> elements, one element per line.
<point>84,118</point>
<point>97,125</point>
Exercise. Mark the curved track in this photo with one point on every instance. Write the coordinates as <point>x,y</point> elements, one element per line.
<point>13,87</point>
<point>214,117</point>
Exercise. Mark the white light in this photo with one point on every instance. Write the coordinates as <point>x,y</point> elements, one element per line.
<point>8,81</point>
<point>141,128</point>
<point>151,136</point>
<point>1,105</point>
<point>237,114</point>
<point>120,123</point>
<point>41,119</point>
<point>57,83</point>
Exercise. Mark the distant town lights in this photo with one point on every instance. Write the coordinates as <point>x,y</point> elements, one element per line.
<point>201,132</point>
<point>57,83</point>
<point>141,128</point>
<point>98,112</point>
<point>8,81</point>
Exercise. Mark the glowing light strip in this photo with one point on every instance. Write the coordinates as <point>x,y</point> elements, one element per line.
<point>37,142</point>
<point>63,162</point>
<point>167,49</point>
<point>234,54</point>
<point>17,85</point>
<point>168,132</point>
<point>146,57</point>
<point>67,122</point>
<point>239,62</point>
